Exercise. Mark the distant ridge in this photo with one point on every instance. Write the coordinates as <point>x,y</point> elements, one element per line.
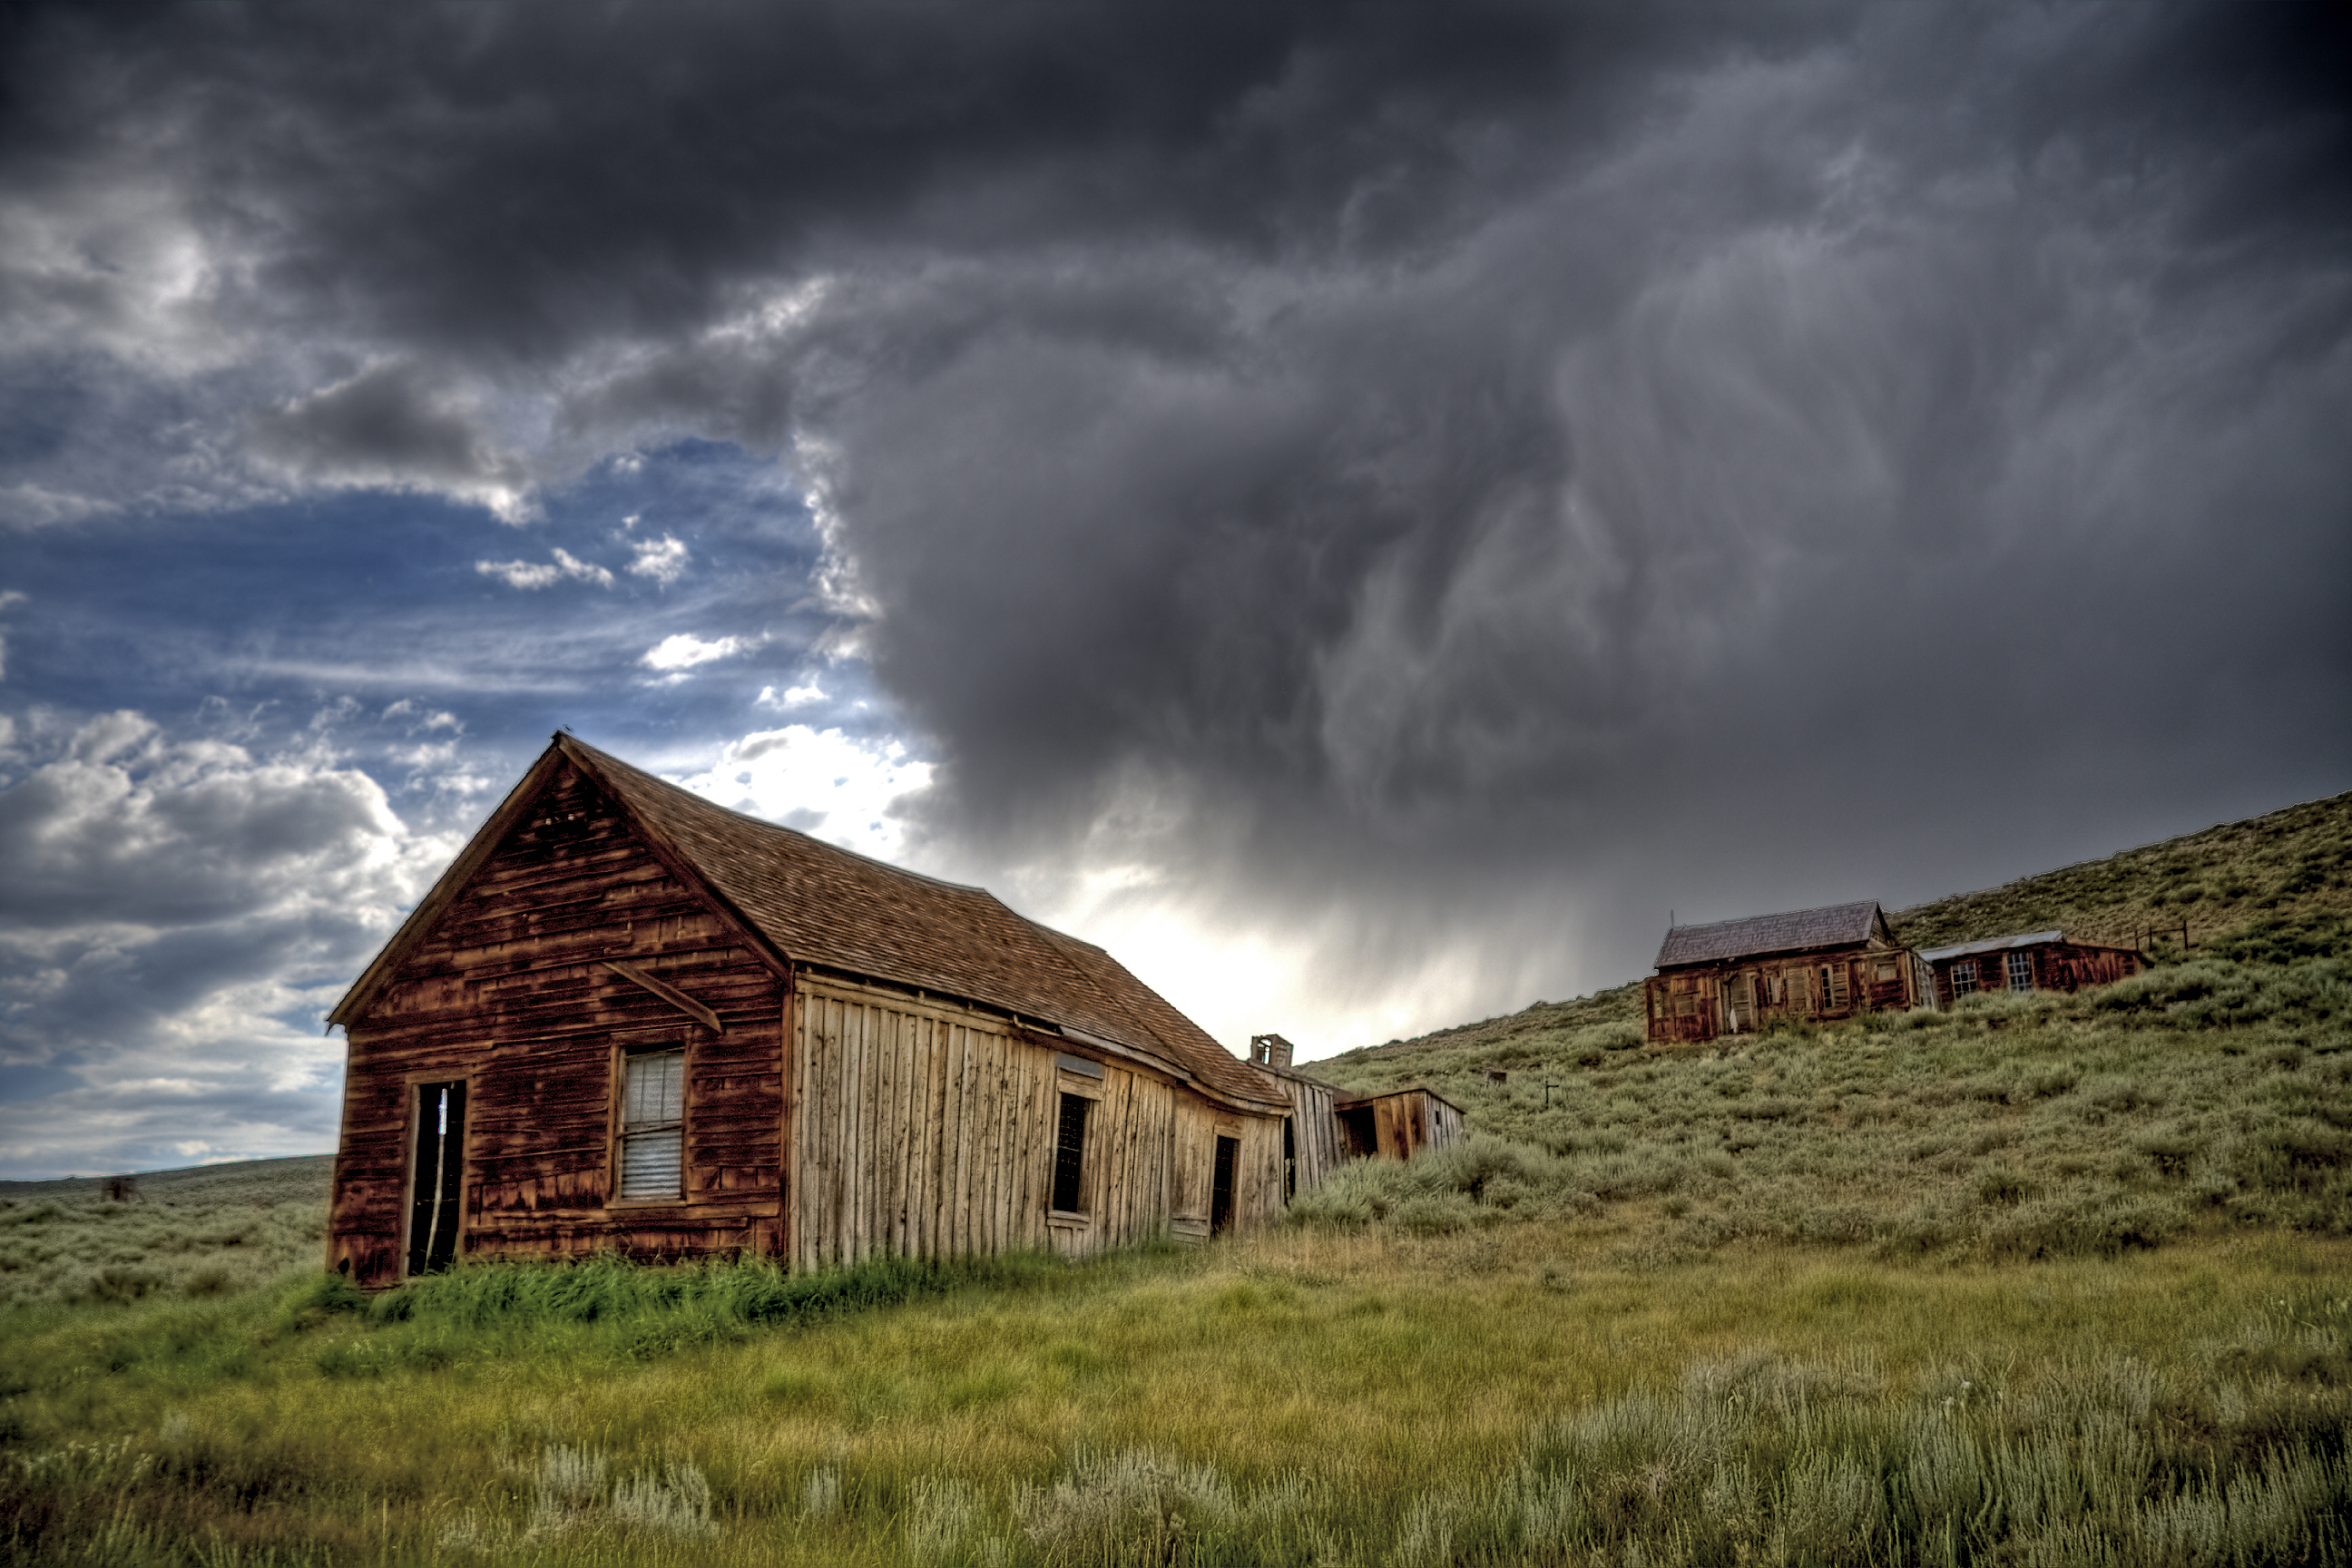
<point>284,1179</point>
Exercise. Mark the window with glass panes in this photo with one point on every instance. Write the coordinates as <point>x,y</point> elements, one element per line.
<point>652,1125</point>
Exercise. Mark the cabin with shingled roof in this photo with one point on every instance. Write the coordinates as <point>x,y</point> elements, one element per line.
<point>1736,976</point>
<point>629,1020</point>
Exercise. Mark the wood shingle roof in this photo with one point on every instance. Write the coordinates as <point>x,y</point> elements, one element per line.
<point>1758,936</point>
<point>818,904</point>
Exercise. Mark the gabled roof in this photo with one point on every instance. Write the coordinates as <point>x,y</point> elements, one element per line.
<point>2025,939</point>
<point>813,902</point>
<point>1758,936</point>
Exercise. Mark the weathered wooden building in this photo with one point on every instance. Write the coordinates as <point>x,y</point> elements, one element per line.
<point>629,1019</point>
<point>1397,1125</point>
<point>1330,1125</point>
<point>1734,976</point>
<point>2032,961</point>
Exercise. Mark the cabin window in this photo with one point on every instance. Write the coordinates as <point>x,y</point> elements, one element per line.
<point>1964,975</point>
<point>1833,984</point>
<point>2020,971</point>
<point>1685,1005</point>
<point>1070,1155</point>
<point>652,1125</point>
<point>1883,974</point>
<point>1798,985</point>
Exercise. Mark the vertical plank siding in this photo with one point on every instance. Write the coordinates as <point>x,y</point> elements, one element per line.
<point>1318,1149</point>
<point>928,1129</point>
<point>510,992</point>
<point>825,1120</point>
<point>1694,1004</point>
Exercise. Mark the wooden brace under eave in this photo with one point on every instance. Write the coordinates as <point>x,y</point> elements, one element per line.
<point>669,993</point>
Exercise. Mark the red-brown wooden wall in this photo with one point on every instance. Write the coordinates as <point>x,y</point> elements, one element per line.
<point>510,992</point>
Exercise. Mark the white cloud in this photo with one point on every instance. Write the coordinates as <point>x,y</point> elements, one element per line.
<point>420,719</point>
<point>684,650</point>
<point>662,559</point>
<point>177,917</point>
<point>795,697</point>
<point>546,573</point>
<point>841,788</point>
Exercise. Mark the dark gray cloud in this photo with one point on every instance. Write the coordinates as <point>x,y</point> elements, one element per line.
<point>1426,488</point>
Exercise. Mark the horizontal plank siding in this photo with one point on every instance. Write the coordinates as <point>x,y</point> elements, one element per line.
<point>508,990</point>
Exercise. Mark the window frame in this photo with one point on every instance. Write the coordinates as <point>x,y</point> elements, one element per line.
<point>1953,975</point>
<point>1072,1159</point>
<point>1078,1079</point>
<point>2018,967</point>
<point>624,1130</point>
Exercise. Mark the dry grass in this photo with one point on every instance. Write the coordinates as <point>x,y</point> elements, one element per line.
<point>1357,1396</point>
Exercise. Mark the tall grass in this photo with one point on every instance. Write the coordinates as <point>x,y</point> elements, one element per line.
<point>1360,1396</point>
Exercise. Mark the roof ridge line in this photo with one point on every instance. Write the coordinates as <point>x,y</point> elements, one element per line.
<point>780,828</point>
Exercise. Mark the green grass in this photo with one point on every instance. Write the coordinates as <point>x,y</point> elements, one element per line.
<point>2042,1281</point>
<point>203,1231</point>
<point>1366,1395</point>
<point>2286,863</point>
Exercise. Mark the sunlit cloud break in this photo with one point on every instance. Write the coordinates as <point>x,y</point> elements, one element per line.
<point>842,789</point>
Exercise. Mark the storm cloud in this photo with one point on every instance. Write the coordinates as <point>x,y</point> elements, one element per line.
<point>1361,508</point>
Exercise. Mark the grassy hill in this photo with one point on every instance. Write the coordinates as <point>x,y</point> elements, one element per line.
<point>2214,1090</point>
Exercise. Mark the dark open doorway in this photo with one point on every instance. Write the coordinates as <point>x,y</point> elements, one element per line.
<point>435,1176</point>
<point>1221,1190</point>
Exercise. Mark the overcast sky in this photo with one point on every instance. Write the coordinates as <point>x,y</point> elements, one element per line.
<point>1360,508</point>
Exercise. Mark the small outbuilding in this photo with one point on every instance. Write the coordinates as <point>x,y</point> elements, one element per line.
<point>1736,976</point>
<point>2032,961</point>
<point>627,1019</point>
<point>1397,1125</point>
<point>1330,1125</point>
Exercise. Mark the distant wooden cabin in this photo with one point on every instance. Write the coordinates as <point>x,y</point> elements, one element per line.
<point>627,1019</point>
<point>1330,1125</point>
<point>1736,976</point>
<point>2034,961</point>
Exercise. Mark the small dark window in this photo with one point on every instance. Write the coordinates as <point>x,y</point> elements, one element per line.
<point>1070,1155</point>
<point>1964,975</point>
<point>1221,1190</point>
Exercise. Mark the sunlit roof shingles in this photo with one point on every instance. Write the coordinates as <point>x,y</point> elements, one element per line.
<point>824,905</point>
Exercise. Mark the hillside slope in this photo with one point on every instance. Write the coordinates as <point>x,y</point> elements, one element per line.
<point>2215,1088</point>
<point>2283,864</point>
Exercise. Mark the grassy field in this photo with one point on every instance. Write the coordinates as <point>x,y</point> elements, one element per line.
<point>1302,1395</point>
<point>2044,1280</point>
<point>204,1231</point>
